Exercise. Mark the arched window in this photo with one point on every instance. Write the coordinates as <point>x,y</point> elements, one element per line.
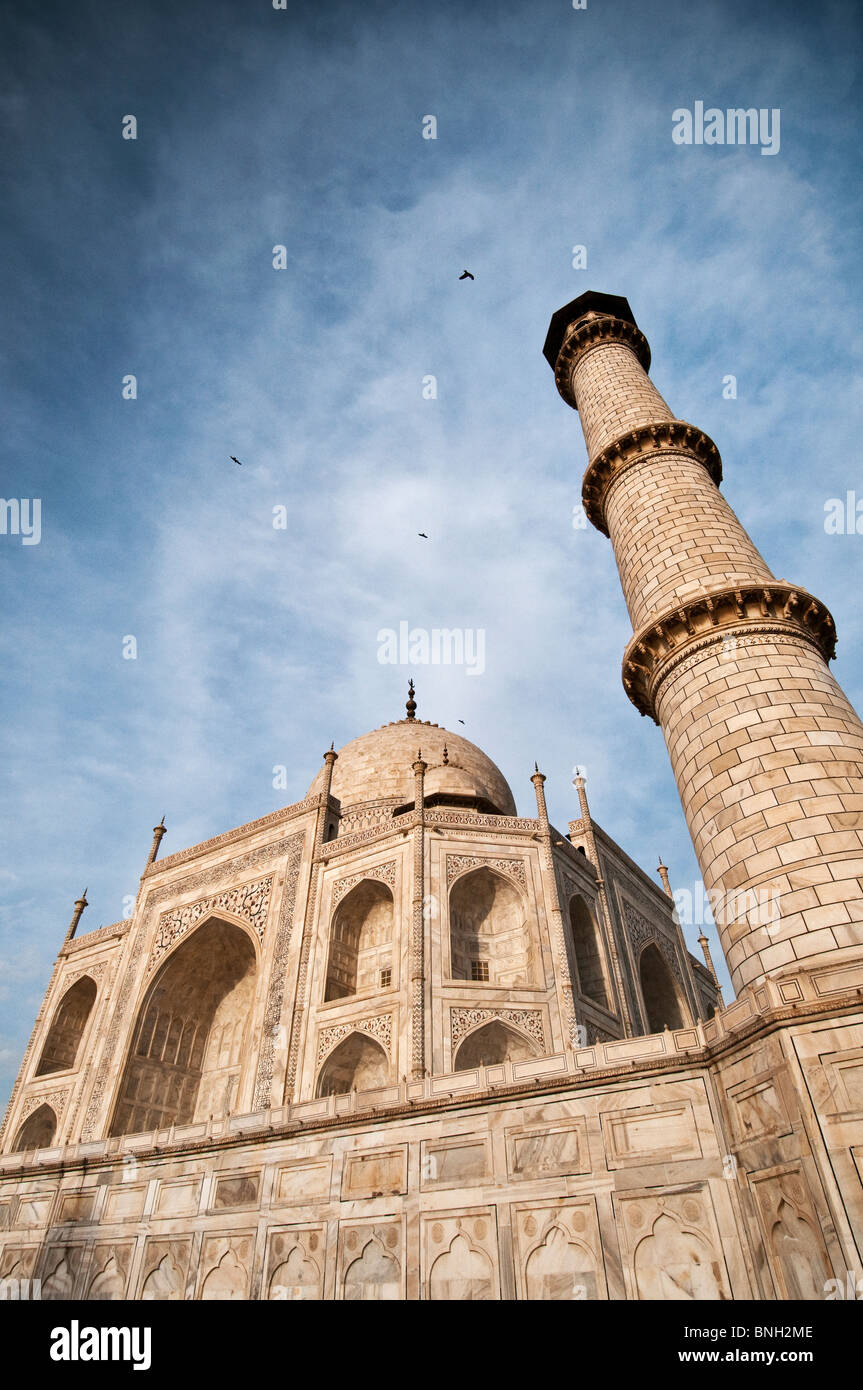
<point>494,1042</point>
<point>67,1029</point>
<point>588,952</point>
<point>489,939</point>
<point>38,1131</point>
<point>184,1064</point>
<point>361,940</point>
<point>357,1064</point>
<point>659,991</point>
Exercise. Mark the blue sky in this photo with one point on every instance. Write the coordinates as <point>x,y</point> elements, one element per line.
<point>303,127</point>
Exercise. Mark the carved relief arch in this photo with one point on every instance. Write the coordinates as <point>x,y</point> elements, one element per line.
<point>488,1036</point>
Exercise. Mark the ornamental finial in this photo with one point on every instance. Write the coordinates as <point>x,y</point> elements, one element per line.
<point>411,704</point>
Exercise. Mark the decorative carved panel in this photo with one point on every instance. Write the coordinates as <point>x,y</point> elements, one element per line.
<point>464,1021</point>
<point>236,1190</point>
<point>457,864</point>
<point>385,873</point>
<point>307,1180</point>
<point>108,1276</point>
<point>224,1267</point>
<point>457,1162</point>
<point>792,1233</point>
<point>250,901</point>
<point>671,1247</point>
<point>278,969</point>
<point>375,1173</point>
<point>296,1260</point>
<point>460,1256</point>
<point>56,1099</point>
<point>558,1252</point>
<point>641,1134</point>
<point>552,1151</point>
<point>61,1270</point>
<point>165,1269</point>
<point>371,1261</point>
<point>379,1027</point>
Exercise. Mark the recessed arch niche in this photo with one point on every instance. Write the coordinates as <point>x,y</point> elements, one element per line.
<point>588,950</point>
<point>357,1064</point>
<point>361,939</point>
<point>491,1044</point>
<point>37,1131</point>
<point>67,1027</point>
<point>489,937</point>
<point>659,991</point>
<point>184,1062</point>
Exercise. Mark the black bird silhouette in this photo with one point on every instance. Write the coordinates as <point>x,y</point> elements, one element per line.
<point>423,534</point>
<point>461,721</point>
<point>233,460</point>
<point>466,275</point>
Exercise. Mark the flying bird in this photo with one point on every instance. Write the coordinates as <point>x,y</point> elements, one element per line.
<point>466,275</point>
<point>461,721</point>
<point>423,534</point>
<point>233,460</point>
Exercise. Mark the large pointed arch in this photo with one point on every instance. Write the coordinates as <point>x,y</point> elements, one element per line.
<point>187,1046</point>
<point>659,991</point>
<point>357,1064</point>
<point>37,1132</point>
<point>67,1027</point>
<point>361,940</point>
<point>489,936</point>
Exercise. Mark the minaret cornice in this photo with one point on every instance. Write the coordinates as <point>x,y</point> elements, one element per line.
<point>746,612</point>
<point>652,441</point>
<point>590,333</point>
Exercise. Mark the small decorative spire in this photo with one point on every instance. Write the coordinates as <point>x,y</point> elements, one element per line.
<point>158,832</point>
<point>80,904</point>
<point>536,767</point>
<point>662,870</point>
<point>411,704</point>
<point>445,756</point>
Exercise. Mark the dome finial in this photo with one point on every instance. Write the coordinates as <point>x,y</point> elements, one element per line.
<point>411,704</point>
<point>445,756</point>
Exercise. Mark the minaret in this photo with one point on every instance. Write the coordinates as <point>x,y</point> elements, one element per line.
<point>158,832</point>
<point>80,904</point>
<point>728,660</point>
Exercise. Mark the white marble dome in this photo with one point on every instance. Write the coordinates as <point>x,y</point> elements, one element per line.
<point>377,766</point>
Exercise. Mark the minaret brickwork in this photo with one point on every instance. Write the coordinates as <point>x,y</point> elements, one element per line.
<point>731,662</point>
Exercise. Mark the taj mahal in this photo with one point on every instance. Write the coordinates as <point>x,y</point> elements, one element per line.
<point>396,1040</point>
